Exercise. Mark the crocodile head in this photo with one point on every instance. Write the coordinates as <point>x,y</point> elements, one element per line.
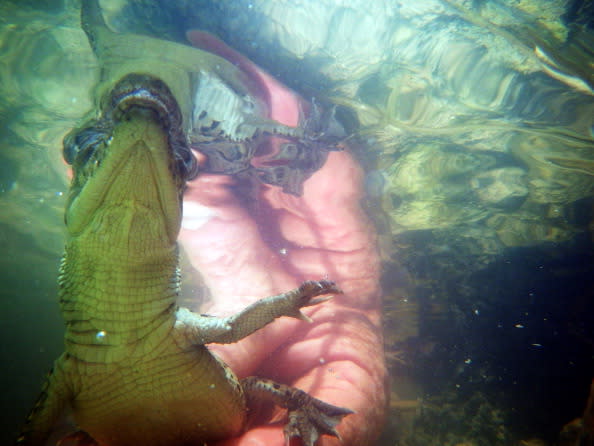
<point>130,165</point>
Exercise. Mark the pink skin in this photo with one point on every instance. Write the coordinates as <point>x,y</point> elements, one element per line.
<point>245,254</point>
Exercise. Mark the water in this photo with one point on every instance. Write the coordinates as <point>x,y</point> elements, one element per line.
<point>473,124</point>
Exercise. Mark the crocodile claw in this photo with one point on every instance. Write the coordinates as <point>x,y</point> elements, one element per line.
<point>227,157</point>
<point>312,419</point>
<point>308,417</point>
<point>298,153</point>
<point>307,295</point>
<point>304,154</point>
<point>292,165</point>
<point>312,288</point>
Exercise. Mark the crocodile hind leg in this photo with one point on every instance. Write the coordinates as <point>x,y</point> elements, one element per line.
<point>56,395</point>
<point>309,417</point>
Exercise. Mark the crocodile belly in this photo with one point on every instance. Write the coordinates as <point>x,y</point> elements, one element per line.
<point>177,399</point>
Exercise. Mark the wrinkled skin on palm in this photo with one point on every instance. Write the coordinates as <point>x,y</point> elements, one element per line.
<point>277,238</point>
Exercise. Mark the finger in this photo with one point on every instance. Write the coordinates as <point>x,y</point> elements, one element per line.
<point>325,232</point>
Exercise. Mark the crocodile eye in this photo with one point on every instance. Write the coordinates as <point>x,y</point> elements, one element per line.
<point>81,144</point>
<point>187,164</point>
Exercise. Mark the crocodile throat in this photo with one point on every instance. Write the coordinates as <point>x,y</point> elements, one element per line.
<point>119,276</point>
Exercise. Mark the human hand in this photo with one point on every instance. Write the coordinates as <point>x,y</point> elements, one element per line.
<point>249,251</point>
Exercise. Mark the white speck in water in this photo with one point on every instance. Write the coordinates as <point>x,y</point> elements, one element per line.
<point>468,361</point>
<point>477,312</point>
<point>519,326</point>
<point>283,251</point>
<point>536,345</point>
<point>100,336</point>
<point>59,193</point>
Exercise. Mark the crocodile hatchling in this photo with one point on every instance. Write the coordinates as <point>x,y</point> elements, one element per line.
<point>135,368</point>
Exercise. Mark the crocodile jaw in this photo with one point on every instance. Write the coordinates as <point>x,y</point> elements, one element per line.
<point>132,190</point>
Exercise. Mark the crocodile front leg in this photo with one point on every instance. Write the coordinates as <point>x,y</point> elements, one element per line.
<point>308,417</point>
<point>204,329</point>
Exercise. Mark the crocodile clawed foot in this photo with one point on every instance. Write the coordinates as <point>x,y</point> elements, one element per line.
<point>312,419</point>
<point>312,288</point>
<point>307,295</point>
<point>309,417</point>
<point>322,127</point>
<point>304,152</point>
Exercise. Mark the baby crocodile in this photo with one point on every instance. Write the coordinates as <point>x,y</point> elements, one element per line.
<point>136,370</point>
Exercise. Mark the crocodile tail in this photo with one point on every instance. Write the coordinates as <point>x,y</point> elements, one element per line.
<point>49,407</point>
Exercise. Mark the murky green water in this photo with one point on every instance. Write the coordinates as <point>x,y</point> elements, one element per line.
<point>474,123</point>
